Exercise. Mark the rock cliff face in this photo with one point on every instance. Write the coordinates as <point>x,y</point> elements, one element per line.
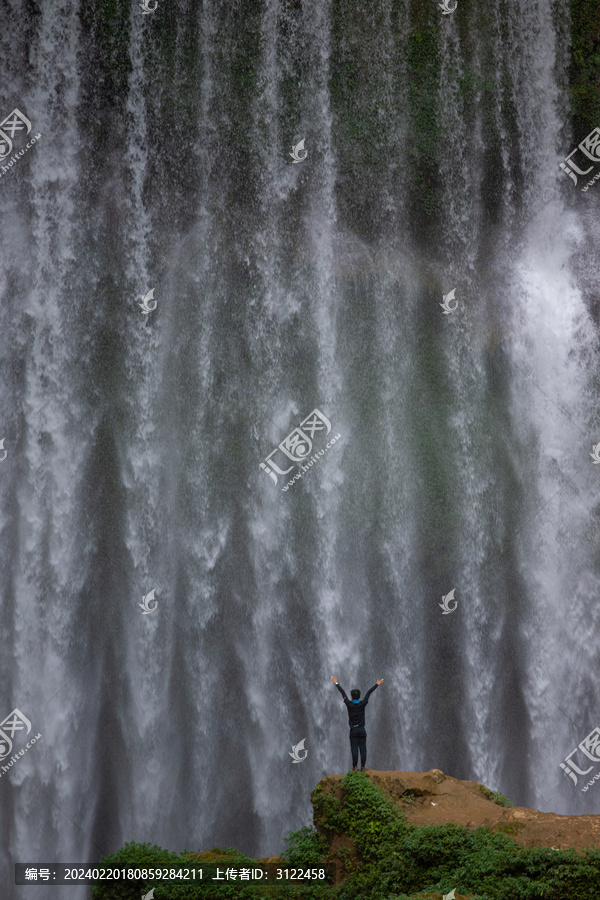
<point>432,798</point>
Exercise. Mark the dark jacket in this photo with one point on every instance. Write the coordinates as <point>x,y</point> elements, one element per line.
<point>356,711</point>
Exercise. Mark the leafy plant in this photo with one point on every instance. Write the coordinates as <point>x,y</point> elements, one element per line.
<point>496,797</point>
<point>305,847</point>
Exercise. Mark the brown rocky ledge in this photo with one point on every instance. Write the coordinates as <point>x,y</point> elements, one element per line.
<point>432,798</point>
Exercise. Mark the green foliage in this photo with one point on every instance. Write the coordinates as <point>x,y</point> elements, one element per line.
<point>584,74</point>
<point>305,847</point>
<point>373,819</point>
<point>485,865</point>
<point>496,797</point>
<point>392,860</point>
<point>510,827</point>
<point>398,860</point>
<point>329,811</point>
<point>423,70</point>
<point>106,25</point>
<point>139,856</point>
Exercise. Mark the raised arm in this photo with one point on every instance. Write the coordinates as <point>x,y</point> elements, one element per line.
<point>370,691</point>
<point>339,687</point>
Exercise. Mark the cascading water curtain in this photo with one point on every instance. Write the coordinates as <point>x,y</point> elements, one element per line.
<point>230,228</point>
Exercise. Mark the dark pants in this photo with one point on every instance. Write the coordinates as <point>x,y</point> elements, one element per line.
<point>358,741</point>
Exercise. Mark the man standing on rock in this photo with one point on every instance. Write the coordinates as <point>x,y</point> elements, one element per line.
<point>356,720</point>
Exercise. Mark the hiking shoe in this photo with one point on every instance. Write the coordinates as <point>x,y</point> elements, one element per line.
<point>362,769</point>
<point>354,768</point>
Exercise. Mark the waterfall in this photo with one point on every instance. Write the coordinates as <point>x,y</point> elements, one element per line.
<point>134,441</point>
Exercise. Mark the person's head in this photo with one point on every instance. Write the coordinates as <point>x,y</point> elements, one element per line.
<point>355,694</point>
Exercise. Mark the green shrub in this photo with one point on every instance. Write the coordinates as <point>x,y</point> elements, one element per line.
<point>392,860</point>
<point>139,856</point>
<point>496,797</point>
<point>397,860</point>
<point>304,847</point>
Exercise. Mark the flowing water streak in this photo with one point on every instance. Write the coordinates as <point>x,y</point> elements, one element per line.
<point>148,638</point>
<point>305,296</point>
<point>44,580</point>
<point>551,342</point>
<point>323,306</point>
<point>396,298</point>
<point>556,343</point>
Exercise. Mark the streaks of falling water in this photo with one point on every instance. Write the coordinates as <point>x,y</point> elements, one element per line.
<point>40,540</point>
